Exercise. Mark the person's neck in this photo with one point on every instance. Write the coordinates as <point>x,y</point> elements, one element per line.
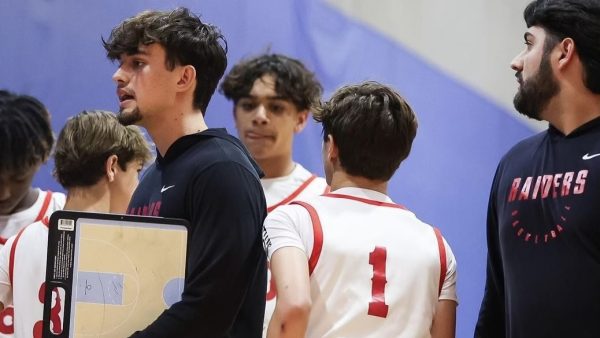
<point>28,201</point>
<point>93,199</point>
<point>278,166</point>
<point>572,108</point>
<point>174,125</point>
<point>341,179</point>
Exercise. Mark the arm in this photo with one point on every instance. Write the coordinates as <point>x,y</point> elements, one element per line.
<point>226,264</point>
<point>491,321</point>
<point>288,237</point>
<point>5,285</point>
<point>444,321</point>
<point>289,267</point>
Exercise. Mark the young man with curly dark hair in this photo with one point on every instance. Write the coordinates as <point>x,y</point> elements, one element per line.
<point>272,95</point>
<point>169,66</point>
<point>26,138</point>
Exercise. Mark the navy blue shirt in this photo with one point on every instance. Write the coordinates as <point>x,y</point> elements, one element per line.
<point>543,233</point>
<point>210,180</point>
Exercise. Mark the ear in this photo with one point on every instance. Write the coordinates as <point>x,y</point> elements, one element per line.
<point>566,48</point>
<point>187,77</point>
<point>301,120</point>
<point>110,167</point>
<point>332,149</point>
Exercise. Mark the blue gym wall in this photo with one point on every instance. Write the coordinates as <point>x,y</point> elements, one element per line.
<point>52,50</point>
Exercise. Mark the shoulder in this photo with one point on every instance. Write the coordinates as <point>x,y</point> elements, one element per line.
<point>524,149</point>
<point>292,211</point>
<point>59,199</point>
<point>227,173</point>
<point>303,174</point>
<point>218,150</point>
<point>520,155</point>
<point>427,230</point>
<point>291,216</point>
<point>33,230</point>
<point>320,183</point>
<point>288,225</point>
<point>227,181</point>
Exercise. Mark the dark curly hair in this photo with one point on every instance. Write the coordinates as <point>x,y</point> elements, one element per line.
<point>372,126</point>
<point>186,40</point>
<point>292,80</point>
<point>25,132</point>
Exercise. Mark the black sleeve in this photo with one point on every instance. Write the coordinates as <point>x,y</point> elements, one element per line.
<point>224,293</point>
<point>491,321</point>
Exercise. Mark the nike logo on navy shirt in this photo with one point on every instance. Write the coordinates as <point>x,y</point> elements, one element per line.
<point>163,189</point>
<point>589,157</point>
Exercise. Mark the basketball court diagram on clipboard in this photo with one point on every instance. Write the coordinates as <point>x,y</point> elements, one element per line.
<point>111,275</point>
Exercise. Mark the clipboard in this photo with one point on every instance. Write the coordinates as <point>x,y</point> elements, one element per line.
<point>110,275</point>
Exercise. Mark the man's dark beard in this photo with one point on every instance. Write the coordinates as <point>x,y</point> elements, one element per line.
<point>536,92</point>
<point>127,119</point>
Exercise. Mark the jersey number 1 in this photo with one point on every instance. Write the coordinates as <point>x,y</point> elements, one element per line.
<point>377,306</point>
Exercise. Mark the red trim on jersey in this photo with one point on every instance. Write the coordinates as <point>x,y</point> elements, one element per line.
<point>45,205</point>
<point>293,195</point>
<point>365,200</point>
<point>41,214</point>
<point>13,248</point>
<point>443,263</point>
<point>11,258</point>
<point>317,235</point>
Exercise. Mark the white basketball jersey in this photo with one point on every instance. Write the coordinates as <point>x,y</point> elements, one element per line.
<point>280,191</point>
<point>301,183</point>
<point>46,203</point>
<point>376,270</point>
<point>26,276</point>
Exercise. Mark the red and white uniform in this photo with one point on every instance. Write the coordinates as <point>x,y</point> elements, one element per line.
<point>23,282</point>
<point>376,269</point>
<point>46,203</point>
<point>280,191</point>
<point>300,183</point>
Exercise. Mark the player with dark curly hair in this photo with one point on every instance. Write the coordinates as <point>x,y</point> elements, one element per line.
<point>272,95</point>
<point>26,139</point>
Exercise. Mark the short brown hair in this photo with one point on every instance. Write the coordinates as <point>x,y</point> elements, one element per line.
<point>186,40</point>
<point>88,140</point>
<point>372,126</point>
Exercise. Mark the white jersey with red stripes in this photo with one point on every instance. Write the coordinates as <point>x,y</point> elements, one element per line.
<point>376,269</point>
<point>23,282</point>
<point>46,203</point>
<point>300,183</point>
